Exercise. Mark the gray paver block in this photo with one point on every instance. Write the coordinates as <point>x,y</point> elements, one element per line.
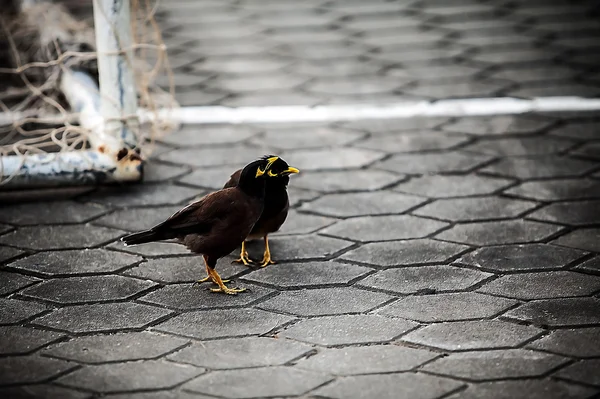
<point>360,204</point>
<point>11,282</point>
<point>15,311</point>
<point>521,146</point>
<point>213,178</point>
<point>411,280</point>
<point>557,189</point>
<point>408,252</point>
<point>391,386</point>
<point>98,349</point>
<point>145,195</point>
<point>474,209</point>
<point>570,213</point>
<point>592,265</point>
<point>60,237</point>
<point>378,228</point>
<point>586,239</point>
<point>562,312</point>
<point>361,180</point>
<point>297,223</point>
<point>296,275</point>
<point>8,253</point>
<point>328,301</point>
<point>343,158</point>
<point>192,135</point>
<point>224,354</point>
<point>412,142</point>
<point>250,383</point>
<point>137,219</point>
<point>153,249</point>
<point>578,342</point>
<point>367,360</point>
<point>521,257</point>
<point>42,391</point>
<point>350,329</point>
<point>582,130</point>
<point>447,307</point>
<point>547,166</point>
<point>101,317</point>
<point>469,335</point>
<point>233,154</point>
<point>387,126</point>
<point>130,376</point>
<point>16,340</point>
<point>557,284</point>
<point>306,137</point>
<point>584,371</point>
<point>73,290</point>
<point>57,212</point>
<point>434,162</point>
<point>30,369</point>
<point>442,186</point>
<point>498,364</point>
<point>305,247</point>
<point>531,389</point>
<point>496,233</point>
<point>197,297</point>
<point>223,323</point>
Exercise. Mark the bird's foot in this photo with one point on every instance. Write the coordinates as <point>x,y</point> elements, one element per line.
<point>267,261</point>
<point>245,259</point>
<point>208,278</point>
<point>228,291</point>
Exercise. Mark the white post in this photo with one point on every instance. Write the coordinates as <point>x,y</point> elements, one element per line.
<point>118,107</point>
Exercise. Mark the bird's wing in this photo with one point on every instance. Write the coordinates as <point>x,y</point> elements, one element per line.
<point>198,217</point>
<point>234,179</point>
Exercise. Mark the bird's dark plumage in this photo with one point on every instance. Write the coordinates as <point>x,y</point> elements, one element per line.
<point>216,224</point>
<point>276,206</point>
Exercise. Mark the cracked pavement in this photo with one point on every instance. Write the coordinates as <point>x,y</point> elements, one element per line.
<point>423,258</point>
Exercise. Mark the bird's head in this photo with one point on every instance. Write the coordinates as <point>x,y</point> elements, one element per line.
<point>267,168</point>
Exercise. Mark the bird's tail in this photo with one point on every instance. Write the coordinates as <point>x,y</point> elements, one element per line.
<point>142,237</point>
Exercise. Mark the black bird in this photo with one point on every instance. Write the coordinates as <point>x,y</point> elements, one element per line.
<point>217,223</point>
<point>275,211</point>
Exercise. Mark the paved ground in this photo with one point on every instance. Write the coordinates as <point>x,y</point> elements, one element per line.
<point>454,258</point>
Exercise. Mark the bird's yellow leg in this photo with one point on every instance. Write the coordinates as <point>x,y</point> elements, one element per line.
<point>208,277</point>
<point>244,257</point>
<point>267,255</point>
<point>217,279</point>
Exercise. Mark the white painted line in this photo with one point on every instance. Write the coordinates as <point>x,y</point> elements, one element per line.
<point>407,109</point>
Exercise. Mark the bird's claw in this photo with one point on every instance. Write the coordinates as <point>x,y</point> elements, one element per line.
<point>228,291</point>
<point>267,261</point>
<point>245,259</point>
<point>206,279</point>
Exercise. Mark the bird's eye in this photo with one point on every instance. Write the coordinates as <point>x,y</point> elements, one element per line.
<point>271,173</point>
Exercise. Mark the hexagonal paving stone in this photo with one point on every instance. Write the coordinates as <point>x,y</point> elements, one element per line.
<point>495,233</point>
<point>424,279</point>
<point>469,335</point>
<point>15,311</point>
<point>8,253</point>
<point>547,166</point>
<point>557,189</point>
<point>473,209</point>
<point>296,138</point>
<point>586,239</point>
<point>155,172</point>
<point>441,186</point>
<point>447,307</point>
<point>195,297</point>
<point>30,369</point>
<point>531,389</point>
<point>367,360</point>
<point>592,265</point>
<point>434,162</point>
<point>192,135</point>
<point>60,237</point>
<point>313,247</point>
<point>56,212</point>
<point>583,130</point>
<point>412,142</point>
<point>392,386</point>
<point>543,285</point>
<point>74,262</point>
<point>571,213</point>
<point>15,340</point>
<point>521,146</point>
<point>11,282</point>
<point>522,257</point>
<point>155,249</point>
<point>387,126</point>
<point>357,180</point>
<point>342,158</point>
<point>348,329</point>
<point>311,274</point>
<point>116,348</point>
<point>399,253</point>
<point>130,376</point>
<point>478,88</point>
<point>359,204</point>
<point>250,382</point>
<point>102,317</point>
<point>258,352</point>
<point>584,371</point>
<point>137,219</point>
<point>182,269</point>
<point>495,365</point>
<point>327,301</point>
<point>562,312</point>
<point>74,290</point>
<point>212,178</point>
<point>297,223</point>
<point>499,125</point>
<point>269,98</point>
<point>146,194</point>
<point>344,86</point>
<point>376,228</point>
<point>579,342</point>
<point>223,323</point>
<point>42,391</point>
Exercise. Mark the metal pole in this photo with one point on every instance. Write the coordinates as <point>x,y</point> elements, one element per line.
<point>118,107</point>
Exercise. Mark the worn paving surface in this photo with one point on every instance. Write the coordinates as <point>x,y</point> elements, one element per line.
<point>434,258</point>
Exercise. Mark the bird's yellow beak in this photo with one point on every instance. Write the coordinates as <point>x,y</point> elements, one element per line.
<point>291,170</point>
